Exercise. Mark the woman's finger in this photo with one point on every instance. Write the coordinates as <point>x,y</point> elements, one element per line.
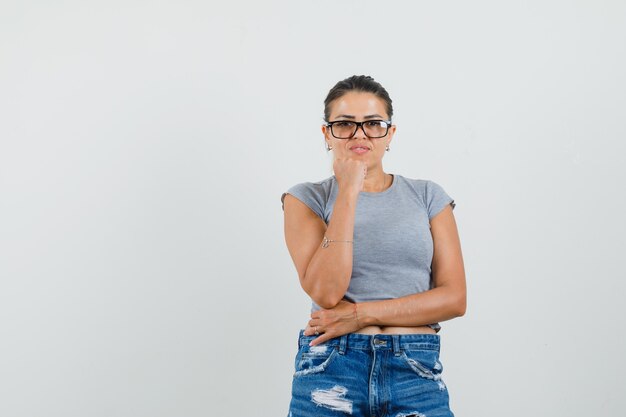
<point>311,330</point>
<point>315,322</point>
<point>323,337</point>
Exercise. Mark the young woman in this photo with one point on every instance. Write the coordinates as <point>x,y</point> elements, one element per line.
<point>380,256</point>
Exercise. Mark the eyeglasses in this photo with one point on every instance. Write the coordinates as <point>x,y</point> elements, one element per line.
<point>345,129</point>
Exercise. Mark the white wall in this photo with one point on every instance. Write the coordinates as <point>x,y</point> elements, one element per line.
<point>144,146</point>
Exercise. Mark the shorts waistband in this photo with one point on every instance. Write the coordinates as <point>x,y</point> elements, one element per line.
<point>395,342</point>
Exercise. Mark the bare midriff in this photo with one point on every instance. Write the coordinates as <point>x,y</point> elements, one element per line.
<point>395,330</point>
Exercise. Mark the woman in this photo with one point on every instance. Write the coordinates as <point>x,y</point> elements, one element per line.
<point>379,255</point>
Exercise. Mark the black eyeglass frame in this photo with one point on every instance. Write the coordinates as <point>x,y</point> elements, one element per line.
<point>359,125</point>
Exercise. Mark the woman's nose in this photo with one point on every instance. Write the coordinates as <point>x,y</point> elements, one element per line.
<point>360,133</point>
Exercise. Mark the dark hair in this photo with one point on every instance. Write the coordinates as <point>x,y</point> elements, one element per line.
<point>363,83</point>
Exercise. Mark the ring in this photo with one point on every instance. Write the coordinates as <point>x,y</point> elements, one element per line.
<point>316,332</point>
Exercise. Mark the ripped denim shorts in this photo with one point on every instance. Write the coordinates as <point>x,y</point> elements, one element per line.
<point>369,376</point>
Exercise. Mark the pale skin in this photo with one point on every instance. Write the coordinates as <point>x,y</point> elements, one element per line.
<point>325,273</point>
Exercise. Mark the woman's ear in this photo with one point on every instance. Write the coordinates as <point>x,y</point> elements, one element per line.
<point>326,133</point>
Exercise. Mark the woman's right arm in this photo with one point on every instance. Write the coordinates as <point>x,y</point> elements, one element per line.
<point>324,273</point>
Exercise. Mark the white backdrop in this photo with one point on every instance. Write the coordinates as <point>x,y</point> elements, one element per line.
<point>144,146</point>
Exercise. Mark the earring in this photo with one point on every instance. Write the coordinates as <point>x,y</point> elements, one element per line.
<point>328,148</point>
<point>387,149</point>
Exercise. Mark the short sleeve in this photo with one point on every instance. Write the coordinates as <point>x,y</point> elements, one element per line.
<point>436,199</point>
<point>307,193</point>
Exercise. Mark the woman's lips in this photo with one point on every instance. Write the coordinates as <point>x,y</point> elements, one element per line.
<point>359,150</point>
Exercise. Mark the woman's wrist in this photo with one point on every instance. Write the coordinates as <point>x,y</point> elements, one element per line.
<point>355,311</point>
<point>351,194</point>
<point>363,314</point>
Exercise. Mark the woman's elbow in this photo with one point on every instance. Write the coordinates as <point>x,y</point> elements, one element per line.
<point>460,305</point>
<point>325,298</point>
<point>326,304</point>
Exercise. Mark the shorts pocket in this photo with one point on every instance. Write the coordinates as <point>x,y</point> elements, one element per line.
<point>313,359</point>
<point>425,363</point>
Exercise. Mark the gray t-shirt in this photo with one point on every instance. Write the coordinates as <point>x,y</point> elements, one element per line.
<point>393,246</point>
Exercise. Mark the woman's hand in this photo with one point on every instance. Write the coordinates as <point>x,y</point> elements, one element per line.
<point>333,322</point>
<point>350,173</point>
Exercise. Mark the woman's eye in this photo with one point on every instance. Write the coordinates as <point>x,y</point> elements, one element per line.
<point>374,124</point>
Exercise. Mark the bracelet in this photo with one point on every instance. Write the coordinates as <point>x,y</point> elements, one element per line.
<point>326,241</point>
<point>356,317</point>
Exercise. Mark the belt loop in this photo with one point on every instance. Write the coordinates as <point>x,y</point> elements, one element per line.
<point>396,344</point>
<point>343,343</point>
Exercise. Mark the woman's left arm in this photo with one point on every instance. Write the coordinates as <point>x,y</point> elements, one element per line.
<point>446,300</point>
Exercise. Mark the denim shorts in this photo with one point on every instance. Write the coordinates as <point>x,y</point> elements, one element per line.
<point>369,376</point>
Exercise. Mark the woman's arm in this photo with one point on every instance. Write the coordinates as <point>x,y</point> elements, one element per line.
<point>445,301</point>
<point>324,272</point>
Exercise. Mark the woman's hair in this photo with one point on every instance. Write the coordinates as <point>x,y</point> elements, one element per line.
<point>363,83</point>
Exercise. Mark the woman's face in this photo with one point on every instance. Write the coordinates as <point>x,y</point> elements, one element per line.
<point>358,106</point>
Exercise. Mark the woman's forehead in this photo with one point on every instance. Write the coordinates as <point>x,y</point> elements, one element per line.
<point>358,104</point>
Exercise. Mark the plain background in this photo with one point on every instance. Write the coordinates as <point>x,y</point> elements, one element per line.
<point>145,145</point>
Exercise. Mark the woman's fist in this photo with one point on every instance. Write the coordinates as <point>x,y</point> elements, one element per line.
<point>350,173</point>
